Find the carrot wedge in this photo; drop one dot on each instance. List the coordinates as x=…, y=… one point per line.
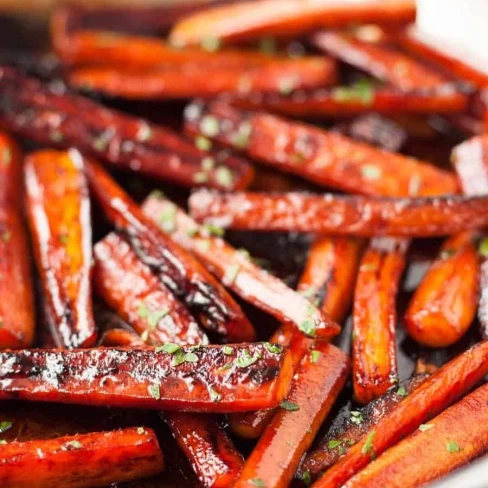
x=438, y=391
x=121, y=337
x=60, y=223
x=277, y=454
x=235, y=270
x=17, y=315
x=326, y=158
x=447, y=442
x=224, y=378
x=43, y=113
x=82, y=460
x=178, y=270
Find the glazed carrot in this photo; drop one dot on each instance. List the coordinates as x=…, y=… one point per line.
x=341, y=215
x=277, y=454
x=17, y=315
x=374, y=318
x=483, y=289
x=444, y=305
x=285, y=18
x=326, y=158
x=345, y=432
x=60, y=223
x=438, y=391
x=128, y=286
x=178, y=270
x=448, y=441
x=81, y=460
x=121, y=337
x=224, y=378
x=43, y=113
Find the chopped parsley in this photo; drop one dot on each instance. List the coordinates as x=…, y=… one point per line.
x=402, y=392
x=307, y=478
x=246, y=359
x=144, y=133
x=368, y=447
x=154, y=391
x=371, y=172
x=157, y=315
x=452, y=446
x=309, y=292
x=203, y=246
x=168, y=347
x=142, y=311
x=140, y=430
x=257, y=482
x=241, y=137
x=307, y=326
x=314, y=356
x=272, y=348
x=231, y=274
x=73, y=444
x=290, y=406
x=447, y=253
x=213, y=230
x=5, y=425
x=191, y=357
x=227, y=350
x=167, y=219
x=214, y=395
x=356, y=417
x=224, y=176
x=483, y=247
x=209, y=126
x=333, y=443
x=362, y=91
x=203, y=143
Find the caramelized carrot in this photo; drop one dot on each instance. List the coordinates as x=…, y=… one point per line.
x=444, y=305
x=17, y=316
x=59, y=215
x=224, y=378
x=121, y=337
x=438, y=391
x=81, y=460
x=341, y=215
x=285, y=18
x=47, y=114
x=447, y=442
x=326, y=158
x=374, y=319
x=179, y=271
x=483, y=288
x=277, y=454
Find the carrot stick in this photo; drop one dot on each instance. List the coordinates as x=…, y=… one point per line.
x=60, y=223
x=438, y=391
x=17, y=316
x=81, y=460
x=483, y=288
x=121, y=337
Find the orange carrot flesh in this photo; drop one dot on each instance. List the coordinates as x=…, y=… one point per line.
x=374, y=319
x=17, y=315
x=81, y=461
x=448, y=441
x=60, y=222
x=438, y=391
x=121, y=337
x=278, y=452
x=444, y=305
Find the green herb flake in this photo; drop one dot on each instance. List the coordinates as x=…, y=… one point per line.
x=287, y=85
x=307, y=326
x=231, y=274
x=178, y=358
x=203, y=246
x=227, y=350
x=209, y=126
x=309, y=292
x=3, y=441
x=314, y=356
x=140, y=430
x=5, y=425
x=157, y=315
x=290, y=406
x=483, y=247
x=154, y=391
x=101, y=143
x=368, y=447
x=333, y=443
x=424, y=427
x=356, y=417
x=167, y=219
x=213, y=230
x=145, y=335
x=6, y=235
x=208, y=163
x=191, y=357
x=200, y=177
x=244, y=253
x=203, y=143
x=192, y=232
x=214, y=395
x=157, y=194
x=143, y=311
x=6, y=156
x=362, y=91
x=144, y=133
x=168, y=347
x=371, y=172
x=307, y=478
x=224, y=177
x=210, y=44
x=227, y=365
x=402, y=392
x=447, y=253
x=73, y=444
x=257, y=482
x=242, y=136
x=272, y=348
x=245, y=360
x=452, y=447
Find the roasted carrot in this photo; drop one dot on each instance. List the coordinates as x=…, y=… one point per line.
x=178, y=270
x=483, y=288
x=49, y=115
x=82, y=460
x=326, y=158
x=127, y=285
x=60, y=223
x=277, y=454
x=448, y=441
x=224, y=378
x=438, y=391
x=121, y=337
x=341, y=215
x=285, y=18
x=236, y=270
x=17, y=316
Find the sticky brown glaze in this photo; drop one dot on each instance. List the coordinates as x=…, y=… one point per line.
x=178, y=270
x=236, y=270
x=341, y=215
x=17, y=317
x=58, y=206
x=208, y=378
x=50, y=115
x=127, y=285
x=437, y=392
x=326, y=158
x=278, y=452
x=285, y=18
x=82, y=460
x=444, y=305
x=347, y=432
x=452, y=439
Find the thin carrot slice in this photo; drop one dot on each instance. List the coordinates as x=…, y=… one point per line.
x=121, y=337
x=438, y=391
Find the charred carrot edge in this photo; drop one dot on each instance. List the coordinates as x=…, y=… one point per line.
x=326, y=158
x=447, y=442
x=374, y=318
x=284, y=18
x=347, y=432
x=444, y=305
x=341, y=215
x=127, y=285
x=42, y=113
x=277, y=454
x=121, y=337
x=178, y=270
x=17, y=315
x=60, y=223
x=82, y=460
x=242, y=377
x=438, y=391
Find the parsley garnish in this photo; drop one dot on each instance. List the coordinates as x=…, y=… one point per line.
x=157, y=315
x=168, y=347
x=314, y=356
x=227, y=350
x=333, y=443
x=209, y=126
x=5, y=425
x=144, y=133
x=272, y=348
x=154, y=391
x=402, y=392
x=483, y=247
x=356, y=417
x=307, y=326
x=245, y=360
x=214, y=395
x=447, y=253
x=167, y=219
x=75, y=444
x=231, y=274
x=361, y=91
x=241, y=137
x=257, y=482
x=191, y=357
x=452, y=446
x=140, y=430
x=203, y=143
x=307, y=478
x=213, y=230
x=368, y=447
x=224, y=177
x=290, y=406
